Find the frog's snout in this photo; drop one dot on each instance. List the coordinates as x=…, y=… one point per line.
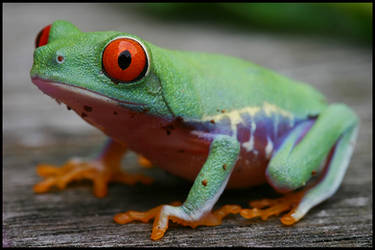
x=37, y=63
x=44, y=64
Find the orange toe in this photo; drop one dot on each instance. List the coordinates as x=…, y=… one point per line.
x=144, y=162
x=44, y=185
x=288, y=219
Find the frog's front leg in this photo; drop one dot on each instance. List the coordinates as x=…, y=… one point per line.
x=330, y=140
x=106, y=168
x=207, y=187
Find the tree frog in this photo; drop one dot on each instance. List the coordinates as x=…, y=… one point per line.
x=218, y=121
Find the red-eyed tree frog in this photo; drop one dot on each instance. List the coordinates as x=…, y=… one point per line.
x=219, y=121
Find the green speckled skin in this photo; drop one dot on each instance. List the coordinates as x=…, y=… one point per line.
x=198, y=87
x=207, y=81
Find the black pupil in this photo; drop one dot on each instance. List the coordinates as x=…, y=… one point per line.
x=124, y=59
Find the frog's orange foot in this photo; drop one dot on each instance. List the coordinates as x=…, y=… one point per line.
x=95, y=171
x=144, y=162
x=267, y=207
x=162, y=214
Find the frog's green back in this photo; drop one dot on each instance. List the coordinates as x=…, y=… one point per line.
x=198, y=85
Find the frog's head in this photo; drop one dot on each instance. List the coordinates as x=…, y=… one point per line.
x=90, y=70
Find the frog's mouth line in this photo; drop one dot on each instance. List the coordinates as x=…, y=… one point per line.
x=55, y=89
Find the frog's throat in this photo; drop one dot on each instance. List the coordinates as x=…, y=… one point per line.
x=62, y=92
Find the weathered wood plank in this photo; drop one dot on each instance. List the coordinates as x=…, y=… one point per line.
x=37, y=130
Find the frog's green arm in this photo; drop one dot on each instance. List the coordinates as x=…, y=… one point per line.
x=214, y=174
x=207, y=188
x=293, y=164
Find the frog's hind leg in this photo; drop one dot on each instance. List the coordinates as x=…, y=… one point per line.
x=299, y=156
x=329, y=181
x=106, y=168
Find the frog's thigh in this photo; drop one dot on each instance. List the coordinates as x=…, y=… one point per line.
x=330, y=180
x=292, y=165
x=335, y=131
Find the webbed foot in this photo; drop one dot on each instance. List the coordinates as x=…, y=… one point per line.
x=174, y=212
x=267, y=207
x=96, y=171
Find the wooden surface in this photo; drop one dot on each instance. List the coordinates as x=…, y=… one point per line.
x=36, y=130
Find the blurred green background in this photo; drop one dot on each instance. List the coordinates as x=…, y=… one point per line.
x=348, y=21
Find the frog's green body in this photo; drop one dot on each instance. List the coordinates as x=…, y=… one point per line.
x=209, y=82
x=221, y=117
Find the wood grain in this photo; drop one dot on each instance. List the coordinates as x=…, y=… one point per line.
x=38, y=130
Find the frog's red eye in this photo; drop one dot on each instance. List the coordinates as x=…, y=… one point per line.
x=124, y=60
x=42, y=37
